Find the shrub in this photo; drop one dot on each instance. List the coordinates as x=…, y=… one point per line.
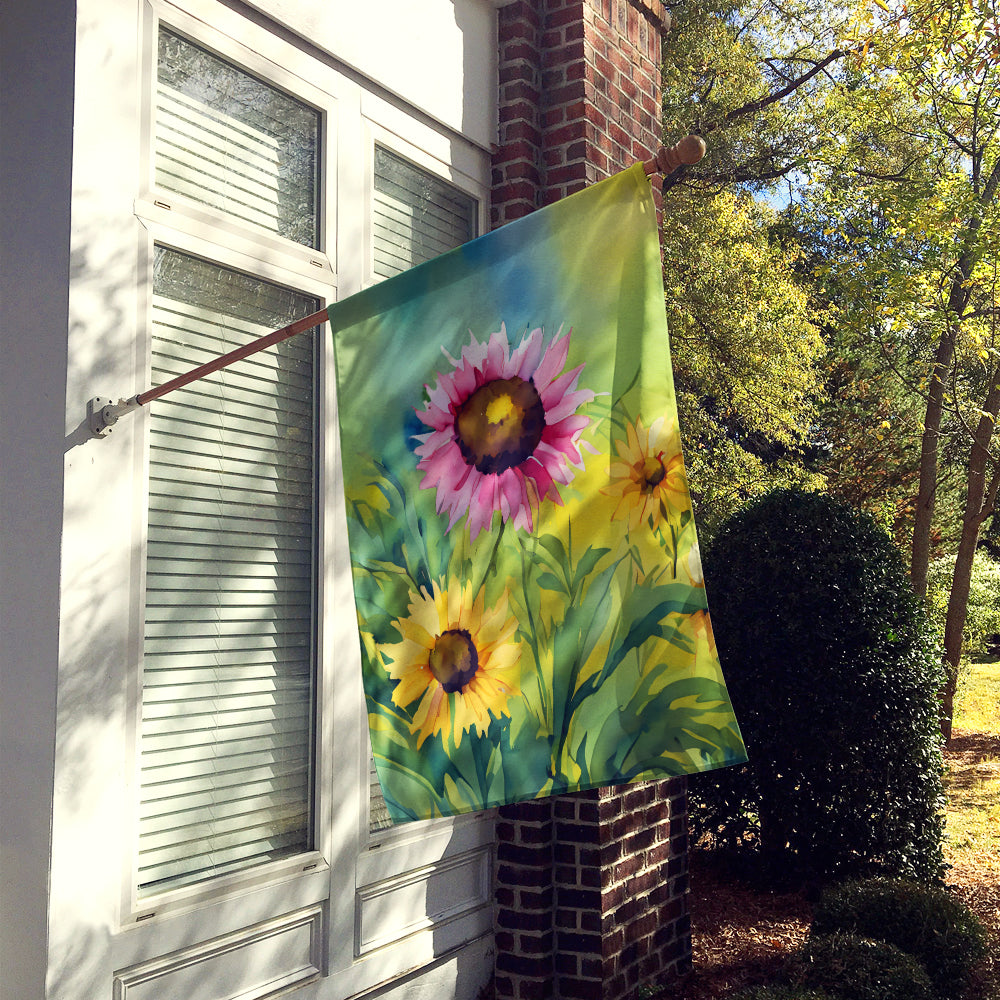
x=926, y=922
x=856, y=968
x=833, y=672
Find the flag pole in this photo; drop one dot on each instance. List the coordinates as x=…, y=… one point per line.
x=260, y=344
x=103, y=413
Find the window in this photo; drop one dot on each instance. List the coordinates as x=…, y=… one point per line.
x=229, y=646
x=274, y=184
x=228, y=679
x=225, y=139
x=416, y=216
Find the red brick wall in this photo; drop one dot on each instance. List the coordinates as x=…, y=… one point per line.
x=579, y=96
x=630, y=846
x=591, y=893
x=591, y=889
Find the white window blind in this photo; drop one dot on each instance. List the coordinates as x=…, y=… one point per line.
x=228, y=140
x=416, y=216
x=228, y=688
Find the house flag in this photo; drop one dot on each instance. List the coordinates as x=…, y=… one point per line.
x=528, y=586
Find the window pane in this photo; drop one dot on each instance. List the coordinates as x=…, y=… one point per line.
x=228, y=663
x=417, y=216
x=226, y=139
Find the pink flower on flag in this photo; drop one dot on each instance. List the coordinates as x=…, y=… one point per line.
x=504, y=430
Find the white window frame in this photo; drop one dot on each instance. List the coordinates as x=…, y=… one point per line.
x=387, y=857
x=196, y=244
x=180, y=224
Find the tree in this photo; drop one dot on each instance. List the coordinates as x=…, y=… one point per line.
x=913, y=187
x=881, y=119
x=747, y=357
x=866, y=438
x=747, y=353
x=749, y=74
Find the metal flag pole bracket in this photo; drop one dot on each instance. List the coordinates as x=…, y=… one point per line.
x=103, y=413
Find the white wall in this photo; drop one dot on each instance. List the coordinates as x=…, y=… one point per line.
x=36, y=109
x=414, y=48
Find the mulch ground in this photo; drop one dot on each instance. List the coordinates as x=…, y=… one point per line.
x=742, y=934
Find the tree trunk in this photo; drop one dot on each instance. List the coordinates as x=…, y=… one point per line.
x=920, y=553
x=958, y=299
x=979, y=500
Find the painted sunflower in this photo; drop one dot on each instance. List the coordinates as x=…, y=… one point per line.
x=504, y=430
x=649, y=476
x=459, y=658
x=699, y=626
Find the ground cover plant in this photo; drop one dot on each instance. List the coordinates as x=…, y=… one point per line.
x=926, y=922
x=852, y=967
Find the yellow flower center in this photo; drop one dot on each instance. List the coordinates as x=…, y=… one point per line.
x=500, y=409
x=454, y=660
x=652, y=473
x=500, y=424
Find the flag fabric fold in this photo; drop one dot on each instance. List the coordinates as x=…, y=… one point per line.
x=531, y=608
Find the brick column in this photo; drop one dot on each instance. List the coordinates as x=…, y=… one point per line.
x=517, y=160
x=524, y=898
x=591, y=888
x=579, y=96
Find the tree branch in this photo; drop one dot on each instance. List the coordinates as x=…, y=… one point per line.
x=753, y=107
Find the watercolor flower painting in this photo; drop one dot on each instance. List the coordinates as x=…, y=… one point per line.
x=523, y=555
x=504, y=430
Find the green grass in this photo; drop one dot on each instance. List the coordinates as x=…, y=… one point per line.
x=973, y=784
x=977, y=703
x=973, y=810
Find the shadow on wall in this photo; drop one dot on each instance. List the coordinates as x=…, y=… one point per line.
x=90, y=821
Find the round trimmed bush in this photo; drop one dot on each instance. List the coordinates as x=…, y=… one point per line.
x=925, y=922
x=857, y=968
x=833, y=672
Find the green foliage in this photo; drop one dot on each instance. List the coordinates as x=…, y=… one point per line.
x=983, y=613
x=745, y=343
x=833, y=673
x=907, y=184
x=924, y=921
x=857, y=968
x=878, y=125
x=866, y=435
x=739, y=72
